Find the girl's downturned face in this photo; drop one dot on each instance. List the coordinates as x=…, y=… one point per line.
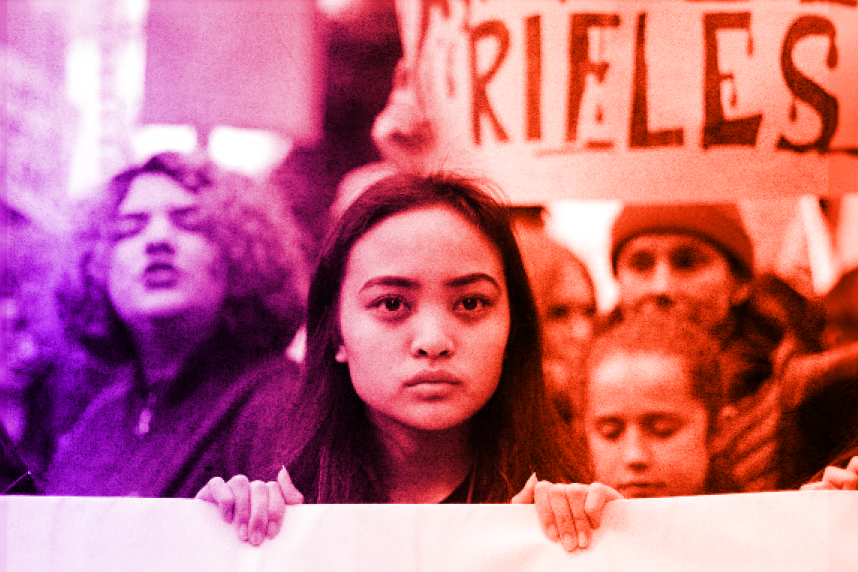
x=646, y=432
x=424, y=318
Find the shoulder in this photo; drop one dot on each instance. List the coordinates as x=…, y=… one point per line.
x=262, y=424
x=275, y=375
x=267, y=387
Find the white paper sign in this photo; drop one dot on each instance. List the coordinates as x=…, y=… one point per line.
x=770, y=532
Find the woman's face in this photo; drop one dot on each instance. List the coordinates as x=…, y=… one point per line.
x=162, y=265
x=646, y=432
x=424, y=318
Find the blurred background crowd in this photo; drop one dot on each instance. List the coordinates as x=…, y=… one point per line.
x=697, y=348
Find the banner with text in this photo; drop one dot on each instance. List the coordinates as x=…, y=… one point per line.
x=769, y=532
x=639, y=100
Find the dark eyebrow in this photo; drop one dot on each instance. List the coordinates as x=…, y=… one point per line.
x=400, y=282
x=469, y=279
x=395, y=281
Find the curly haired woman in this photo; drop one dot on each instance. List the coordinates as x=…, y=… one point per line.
x=186, y=295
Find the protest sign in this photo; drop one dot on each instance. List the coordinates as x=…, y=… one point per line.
x=638, y=100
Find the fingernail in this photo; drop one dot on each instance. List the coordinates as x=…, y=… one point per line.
x=552, y=533
x=569, y=543
x=583, y=541
x=273, y=529
x=256, y=539
x=242, y=531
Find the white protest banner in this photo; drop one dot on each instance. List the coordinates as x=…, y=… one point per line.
x=770, y=532
x=641, y=100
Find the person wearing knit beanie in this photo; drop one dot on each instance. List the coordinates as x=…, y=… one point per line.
x=695, y=257
x=696, y=262
x=719, y=223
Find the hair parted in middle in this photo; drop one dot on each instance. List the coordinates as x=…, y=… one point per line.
x=667, y=333
x=333, y=452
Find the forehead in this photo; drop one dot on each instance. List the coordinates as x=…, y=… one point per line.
x=153, y=192
x=424, y=242
x=638, y=381
x=573, y=282
x=665, y=243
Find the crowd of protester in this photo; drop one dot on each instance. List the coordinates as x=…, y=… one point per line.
x=453, y=350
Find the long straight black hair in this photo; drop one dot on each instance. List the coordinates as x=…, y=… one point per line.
x=333, y=452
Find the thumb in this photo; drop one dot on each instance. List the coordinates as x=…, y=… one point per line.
x=205, y=494
x=290, y=494
x=526, y=494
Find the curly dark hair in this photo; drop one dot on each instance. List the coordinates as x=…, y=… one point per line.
x=266, y=276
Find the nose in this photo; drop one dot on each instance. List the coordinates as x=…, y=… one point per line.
x=581, y=328
x=661, y=281
x=159, y=235
x=432, y=338
x=635, y=450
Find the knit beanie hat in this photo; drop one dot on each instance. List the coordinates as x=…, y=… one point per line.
x=720, y=224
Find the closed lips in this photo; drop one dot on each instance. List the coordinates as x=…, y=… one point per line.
x=433, y=378
x=159, y=266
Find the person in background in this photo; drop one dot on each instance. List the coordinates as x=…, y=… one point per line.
x=652, y=403
x=188, y=296
x=698, y=261
x=834, y=374
x=423, y=373
x=566, y=300
x=32, y=341
x=821, y=382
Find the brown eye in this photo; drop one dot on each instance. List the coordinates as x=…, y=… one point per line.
x=687, y=259
x=471, y=307
x=641, y=261
x=390, y=307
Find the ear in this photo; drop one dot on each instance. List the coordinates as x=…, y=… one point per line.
x=741, y=293
x=341, y=356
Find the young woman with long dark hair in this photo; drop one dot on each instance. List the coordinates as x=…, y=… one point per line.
x=423, y=377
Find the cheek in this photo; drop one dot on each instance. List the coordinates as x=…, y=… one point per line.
x=205, y=265
x=122, y=263
x=207, y=258
x=367, y=348
x=492, y=350
x=605, y=456
x=688, y=452
x=633, y=286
